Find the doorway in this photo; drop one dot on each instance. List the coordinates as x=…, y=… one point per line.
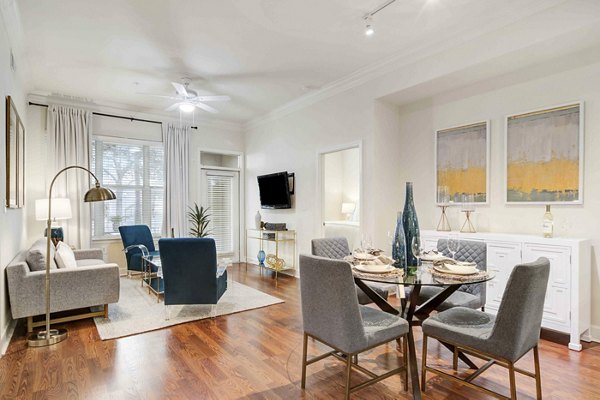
x=341, y=177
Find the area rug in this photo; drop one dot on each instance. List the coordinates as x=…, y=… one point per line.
x=137, y=311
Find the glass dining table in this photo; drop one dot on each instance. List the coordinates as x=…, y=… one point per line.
x=416, y=313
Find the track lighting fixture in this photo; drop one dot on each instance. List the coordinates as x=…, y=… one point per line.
x=368, y=18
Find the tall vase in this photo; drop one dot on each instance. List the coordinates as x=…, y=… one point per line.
x=257, y=220
x=411, y=225
x=399, y=244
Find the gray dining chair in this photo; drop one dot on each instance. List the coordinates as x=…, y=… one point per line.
x=471, y=296
x=331, y=315
x=337, y=248
x=502, y=339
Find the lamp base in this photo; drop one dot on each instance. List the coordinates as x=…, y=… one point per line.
x=40, y=339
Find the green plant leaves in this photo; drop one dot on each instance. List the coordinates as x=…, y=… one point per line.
x=199, y=219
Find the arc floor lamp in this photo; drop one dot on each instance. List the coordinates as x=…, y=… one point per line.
x=97, y=193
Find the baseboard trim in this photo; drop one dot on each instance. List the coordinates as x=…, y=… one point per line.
x=593, y=334
x=7, y=336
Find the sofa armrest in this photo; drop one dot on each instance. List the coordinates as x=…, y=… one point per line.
x=87, y=254
x=70, y=288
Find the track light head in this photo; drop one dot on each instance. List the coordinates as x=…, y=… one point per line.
x=368, y=25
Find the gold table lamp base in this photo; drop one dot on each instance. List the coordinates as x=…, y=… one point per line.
x=40, y=339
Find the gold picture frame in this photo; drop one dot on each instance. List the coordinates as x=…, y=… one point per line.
x=15, y=157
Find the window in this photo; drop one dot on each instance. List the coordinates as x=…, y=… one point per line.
x=134, y=171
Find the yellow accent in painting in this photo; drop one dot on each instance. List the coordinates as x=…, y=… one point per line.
x=552, y=176
x=468, y=181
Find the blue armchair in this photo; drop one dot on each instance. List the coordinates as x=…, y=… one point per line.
x=190, y=273
x=134, y=237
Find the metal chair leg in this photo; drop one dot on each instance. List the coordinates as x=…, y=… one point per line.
x=424, y=364
x=348, y=372
x=538, y=375
x=304, y=348
x=513, y=383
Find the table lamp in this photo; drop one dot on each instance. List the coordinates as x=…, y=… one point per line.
x=61, y=209
x=97, y=193
x=348, y=209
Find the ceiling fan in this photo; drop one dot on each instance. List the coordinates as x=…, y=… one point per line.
x=187, y=99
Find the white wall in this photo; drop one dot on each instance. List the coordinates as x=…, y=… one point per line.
x=205, y=137
x=12, y=221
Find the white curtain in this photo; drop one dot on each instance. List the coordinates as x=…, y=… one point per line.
x=69, y=131
x=176, y=142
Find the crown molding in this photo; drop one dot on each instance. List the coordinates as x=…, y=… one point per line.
x=399, y=60
x=128, y=111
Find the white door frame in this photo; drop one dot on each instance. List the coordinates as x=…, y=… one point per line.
x=320, y=181
x=242, y=184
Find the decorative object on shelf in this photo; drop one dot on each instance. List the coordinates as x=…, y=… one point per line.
x=116, y=220
x=548, y=223
x=399, y=244
x=443, y=199
x=468, y=207
x=544, y=156
x=199, y=221
x=275, y=262
x=462, y=161
x=97, y=193
x=61, y=211
x=258, y=220
x=15, y=157
x=348, y=210
x=261, y=257
x=410, y=224
x=271, y=226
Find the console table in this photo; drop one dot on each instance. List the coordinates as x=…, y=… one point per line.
x=568, y=299
x=277, y=238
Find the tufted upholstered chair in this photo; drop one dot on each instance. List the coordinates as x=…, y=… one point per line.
x=331, y=314
x=501, y=339
x=337, y=248
x=472, y=296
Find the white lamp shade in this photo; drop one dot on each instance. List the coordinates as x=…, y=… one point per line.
x=61, y=209
x=348, y=208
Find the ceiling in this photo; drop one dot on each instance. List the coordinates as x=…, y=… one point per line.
x=262, y=53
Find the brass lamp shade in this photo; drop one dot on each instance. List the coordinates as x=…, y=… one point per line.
x=99, y=193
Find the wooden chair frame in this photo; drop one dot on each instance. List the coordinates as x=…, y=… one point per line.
x=351, y=361
x=491, y=360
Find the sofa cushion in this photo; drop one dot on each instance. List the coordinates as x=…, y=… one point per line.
x=65, y=258
x=90, y=261
x=36, y=256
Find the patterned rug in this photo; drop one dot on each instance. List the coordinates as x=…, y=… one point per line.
x=137, y=311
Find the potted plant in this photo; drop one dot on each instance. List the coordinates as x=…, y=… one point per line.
x=116, y=221
x=199, y=220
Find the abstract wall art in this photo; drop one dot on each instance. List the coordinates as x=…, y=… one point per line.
x=462, y=159
x=544, y=156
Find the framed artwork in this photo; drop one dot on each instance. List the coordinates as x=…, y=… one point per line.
x=462, y=164
x=15, y=157
x=544, y=156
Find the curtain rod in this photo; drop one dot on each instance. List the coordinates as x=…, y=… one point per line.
x=112, y=116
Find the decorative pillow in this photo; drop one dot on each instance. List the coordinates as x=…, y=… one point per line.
x=65, y=258
x=36, y=256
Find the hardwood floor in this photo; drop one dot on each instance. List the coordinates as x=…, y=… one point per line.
x=254, y=354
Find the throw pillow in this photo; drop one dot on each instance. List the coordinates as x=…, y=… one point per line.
x=65, y=258
x=36, y=256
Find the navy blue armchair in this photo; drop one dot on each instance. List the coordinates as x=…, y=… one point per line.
x=189, y=267
x=133, y=237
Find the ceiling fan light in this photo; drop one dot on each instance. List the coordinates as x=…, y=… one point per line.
x=186, y=107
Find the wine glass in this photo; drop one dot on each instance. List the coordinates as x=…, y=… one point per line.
x=453, y=245
x=416, y=250
x=365, y=243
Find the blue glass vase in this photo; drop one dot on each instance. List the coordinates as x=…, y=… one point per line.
x=399, y=244
x=261, y=258
x=411, y=225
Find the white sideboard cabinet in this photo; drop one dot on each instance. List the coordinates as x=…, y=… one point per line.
x=567, y=307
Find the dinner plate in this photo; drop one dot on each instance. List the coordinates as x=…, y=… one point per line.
x=375, y=268
x=456, y=270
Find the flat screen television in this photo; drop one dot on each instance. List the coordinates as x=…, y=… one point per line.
x=274, y=190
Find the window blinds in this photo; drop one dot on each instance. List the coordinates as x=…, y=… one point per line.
x=135, y=172
x=220, y=203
